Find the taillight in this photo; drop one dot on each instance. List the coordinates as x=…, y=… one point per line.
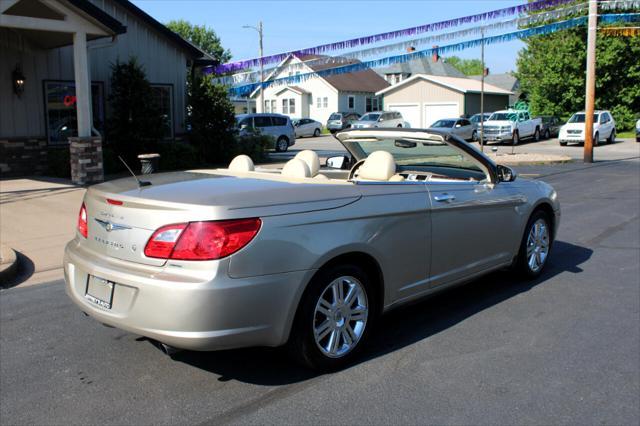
x=202, y=240
x=82, y=221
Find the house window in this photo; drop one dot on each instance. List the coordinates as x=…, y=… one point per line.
x=292, y=106
x=319, y=102
x=273, y=106
x=352, y=102
x=285, y=106
x=60, y=110
x=266, y=106
x=372, y=104
x=163, y=96
x=325, y=102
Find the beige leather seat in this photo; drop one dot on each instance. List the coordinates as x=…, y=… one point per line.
x=242, y=163
x=296, y=168
x=379, y=166
x=312, y=160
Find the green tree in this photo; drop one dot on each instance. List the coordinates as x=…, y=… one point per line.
x=135, y=123
x=212, y=120
x=202, y=36
x=552, y=68
x=466, y=66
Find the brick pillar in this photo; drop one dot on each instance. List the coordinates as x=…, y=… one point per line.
x=86, y=160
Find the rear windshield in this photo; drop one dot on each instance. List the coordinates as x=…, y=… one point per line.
x=370, y=117
x=444, y=123
x=579, y=118
x=335, y=116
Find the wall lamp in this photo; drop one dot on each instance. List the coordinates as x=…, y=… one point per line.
x=18, y=79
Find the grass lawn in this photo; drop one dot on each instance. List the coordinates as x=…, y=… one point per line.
x=626, y=135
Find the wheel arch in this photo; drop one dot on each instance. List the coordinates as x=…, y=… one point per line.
x=546, y=207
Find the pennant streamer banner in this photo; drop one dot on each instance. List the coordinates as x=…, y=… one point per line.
x=619, y=5
x=361, y=66
x=407, y=32
x=620, y=32
x=254, y=76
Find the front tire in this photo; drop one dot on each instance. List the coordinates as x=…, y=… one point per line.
x=536, y=135
x=399, y=125
x=516, y=138
x=474, y=136
x=547, y=134
x=535, y=246
x=335, y=317
x=282, y=145
x=316, y=133
x=612, y=137
x=596, y=139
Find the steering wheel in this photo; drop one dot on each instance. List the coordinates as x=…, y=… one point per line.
x=354, y=169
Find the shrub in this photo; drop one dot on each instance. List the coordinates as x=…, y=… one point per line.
x=135, y=122
x=178, y=156
x=212, y=121
x=254, y=145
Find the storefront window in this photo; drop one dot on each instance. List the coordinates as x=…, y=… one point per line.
x=60, y=98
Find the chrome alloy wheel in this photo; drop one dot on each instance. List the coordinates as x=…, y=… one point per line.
x=537, y=245
x=340, y=316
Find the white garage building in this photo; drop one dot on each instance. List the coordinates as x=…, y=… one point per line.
x=423, y=99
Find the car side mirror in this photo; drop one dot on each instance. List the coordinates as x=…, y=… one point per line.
x=244, y=126
x=506, y=174
x=458, y=125
x=340, y=162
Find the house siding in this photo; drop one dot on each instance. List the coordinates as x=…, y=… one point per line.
x=164, y=63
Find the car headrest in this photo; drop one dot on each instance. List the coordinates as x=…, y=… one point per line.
x=296, y=169
x=242, y=163
x=379, y=165
x=312, y=160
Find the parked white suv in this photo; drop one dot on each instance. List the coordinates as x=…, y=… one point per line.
x=380, y=119
x=511, y=126
x=604, y=127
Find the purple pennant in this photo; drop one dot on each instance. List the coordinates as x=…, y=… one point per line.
x=341, y=45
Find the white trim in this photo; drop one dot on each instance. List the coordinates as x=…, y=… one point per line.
x=402, y=104
x=435, y=80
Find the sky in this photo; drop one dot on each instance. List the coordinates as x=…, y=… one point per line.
x=297, y=24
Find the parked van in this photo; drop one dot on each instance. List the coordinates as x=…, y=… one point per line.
x=276, y=125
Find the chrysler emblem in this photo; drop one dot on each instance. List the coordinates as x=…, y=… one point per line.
x=110, y=226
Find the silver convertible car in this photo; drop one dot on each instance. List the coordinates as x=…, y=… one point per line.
x=304, y=256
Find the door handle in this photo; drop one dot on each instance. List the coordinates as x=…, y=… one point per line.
x=444, y=198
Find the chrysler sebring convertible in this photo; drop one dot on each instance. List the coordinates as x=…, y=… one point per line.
x=306, y=256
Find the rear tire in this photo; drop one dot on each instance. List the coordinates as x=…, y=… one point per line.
x=547, y=134
x=282, y=145
x=474, y=136
x=332, y=325
x=399, y=125
x=535, y=246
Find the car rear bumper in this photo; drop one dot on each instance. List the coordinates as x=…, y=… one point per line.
x=201, y=310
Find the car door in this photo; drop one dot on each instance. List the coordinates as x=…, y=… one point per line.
x=475, y=227
x=466, y=129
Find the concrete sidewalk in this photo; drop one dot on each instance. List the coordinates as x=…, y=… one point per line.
x=37, y=218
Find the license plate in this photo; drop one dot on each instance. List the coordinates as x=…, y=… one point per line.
x=100, y=292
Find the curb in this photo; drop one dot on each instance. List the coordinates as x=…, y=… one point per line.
x=8, y=265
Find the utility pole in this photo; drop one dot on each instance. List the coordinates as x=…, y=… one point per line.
x=482, y=93
x=260, y=105
x=591, y=81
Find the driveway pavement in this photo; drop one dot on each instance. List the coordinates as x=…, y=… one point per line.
x=559, y=350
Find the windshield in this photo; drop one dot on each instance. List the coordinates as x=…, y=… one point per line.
x=415, y=152
x=444, y=123
x=370, y=117
x=579, y=118
x=335, y=116
x=504, y=116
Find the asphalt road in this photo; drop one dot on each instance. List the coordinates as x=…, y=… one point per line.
x=559, y=350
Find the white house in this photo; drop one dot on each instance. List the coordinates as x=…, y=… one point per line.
x=318, y=97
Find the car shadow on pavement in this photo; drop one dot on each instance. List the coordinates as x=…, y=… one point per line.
x=272, y=367
x=26, y=268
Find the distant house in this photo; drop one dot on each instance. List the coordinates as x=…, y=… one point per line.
x=422, y=99
x=57, y=54
x=243, y=105
x=434, y=65
x=506, y=81
x=318, y=97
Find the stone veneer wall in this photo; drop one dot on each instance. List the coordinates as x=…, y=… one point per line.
x=23, y=157
x=86, y=160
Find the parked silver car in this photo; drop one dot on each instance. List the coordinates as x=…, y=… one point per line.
x=276, y=125
x=380, y=119
x=341, y=120
x=306, y=127
x=476, y=120
x=304, y=256
x=460, y=127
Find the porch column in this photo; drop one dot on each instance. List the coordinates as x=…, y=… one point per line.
x=83, y=87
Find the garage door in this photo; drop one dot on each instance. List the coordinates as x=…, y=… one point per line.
x=434, y=112
x=410, y=113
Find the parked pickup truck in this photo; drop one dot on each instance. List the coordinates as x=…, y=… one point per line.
x=511, y=126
